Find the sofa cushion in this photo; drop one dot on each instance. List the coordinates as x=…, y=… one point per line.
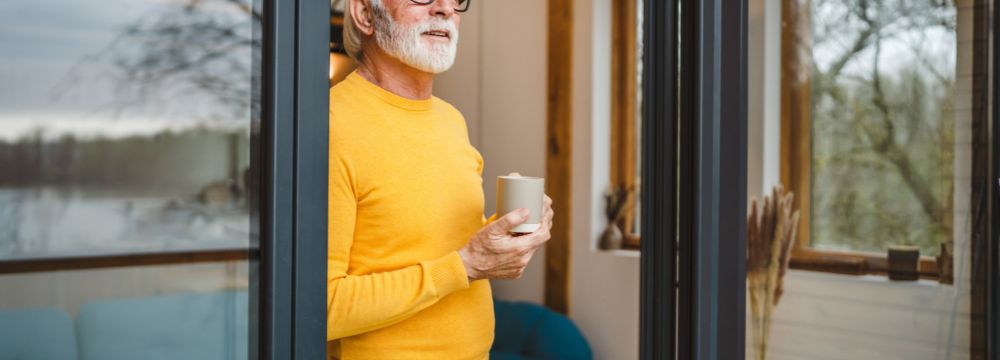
x=187, y=326
x=36, y=334
x=532, y=331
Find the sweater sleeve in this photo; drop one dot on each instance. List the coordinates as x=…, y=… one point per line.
x=361, y=303
x=490, y=220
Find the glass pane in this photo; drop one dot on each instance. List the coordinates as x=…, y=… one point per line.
x=883, y=123
x=124, y=170
x=865, y=112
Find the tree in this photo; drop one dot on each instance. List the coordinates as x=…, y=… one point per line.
x=883, y=123
x=191, y=58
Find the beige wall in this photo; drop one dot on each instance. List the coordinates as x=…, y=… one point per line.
x=604, y=285
x=499, y=85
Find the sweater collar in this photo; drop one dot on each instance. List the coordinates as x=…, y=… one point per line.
x=388, y=96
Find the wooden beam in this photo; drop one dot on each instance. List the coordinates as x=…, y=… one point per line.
x=558, y=174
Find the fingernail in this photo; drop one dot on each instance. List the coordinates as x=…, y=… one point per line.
x=523, y=212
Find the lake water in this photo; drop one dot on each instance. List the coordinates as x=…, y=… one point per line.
x=48, y=223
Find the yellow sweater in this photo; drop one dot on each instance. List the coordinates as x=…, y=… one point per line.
x=405, y=193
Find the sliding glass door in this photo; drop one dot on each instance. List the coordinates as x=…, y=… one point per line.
x=148, y=162
x=125, y=178
x=874, y=120
x=694, y=175
x=826, y=180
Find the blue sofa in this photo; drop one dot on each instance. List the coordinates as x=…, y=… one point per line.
x=185, y=326
x=526, y=331
x=37, y=334
x=214, y=326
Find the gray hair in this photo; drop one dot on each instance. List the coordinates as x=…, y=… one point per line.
x=352, y=36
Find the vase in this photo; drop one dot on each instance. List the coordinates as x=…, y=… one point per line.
x=611, y=238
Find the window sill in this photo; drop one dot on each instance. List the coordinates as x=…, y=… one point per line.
x=857, y=264
x=880, y=280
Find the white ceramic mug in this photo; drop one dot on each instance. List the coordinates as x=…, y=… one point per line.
x=527, y=192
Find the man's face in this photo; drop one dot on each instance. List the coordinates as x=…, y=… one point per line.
x=424, y=37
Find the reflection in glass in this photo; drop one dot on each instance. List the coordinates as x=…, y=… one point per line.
x=124, y=132
x=866, y=111
x=137, y=119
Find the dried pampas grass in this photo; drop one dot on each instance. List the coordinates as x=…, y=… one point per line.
x=771, y=231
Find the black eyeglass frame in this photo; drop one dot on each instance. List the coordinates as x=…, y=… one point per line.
x=463, y=5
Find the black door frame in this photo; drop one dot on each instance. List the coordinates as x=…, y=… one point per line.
x=694, y=151
x=288, y=272
x=712, y=143
x=657, y=297
x=993, y=192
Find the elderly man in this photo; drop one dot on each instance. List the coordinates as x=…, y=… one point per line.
x=410, y=250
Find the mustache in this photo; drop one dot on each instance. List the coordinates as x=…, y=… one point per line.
x=436, y=24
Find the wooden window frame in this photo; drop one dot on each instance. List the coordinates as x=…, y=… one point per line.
x=795, y=142
x=122, y=260
x=796, y=152
x=624, y=110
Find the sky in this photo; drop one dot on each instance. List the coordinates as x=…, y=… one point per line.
x=55, y=73
x=937, y=44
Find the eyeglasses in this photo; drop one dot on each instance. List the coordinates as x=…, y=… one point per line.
x=463, y=5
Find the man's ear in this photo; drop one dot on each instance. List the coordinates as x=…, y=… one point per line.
x=362, y=16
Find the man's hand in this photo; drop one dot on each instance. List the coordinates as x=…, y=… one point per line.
x=493, y=253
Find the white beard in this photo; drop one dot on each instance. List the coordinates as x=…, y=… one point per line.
x=406, y=43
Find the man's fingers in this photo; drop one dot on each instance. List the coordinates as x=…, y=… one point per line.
x=534, y=239
x=547, y=216
x=540, y=237
x=503, y=225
